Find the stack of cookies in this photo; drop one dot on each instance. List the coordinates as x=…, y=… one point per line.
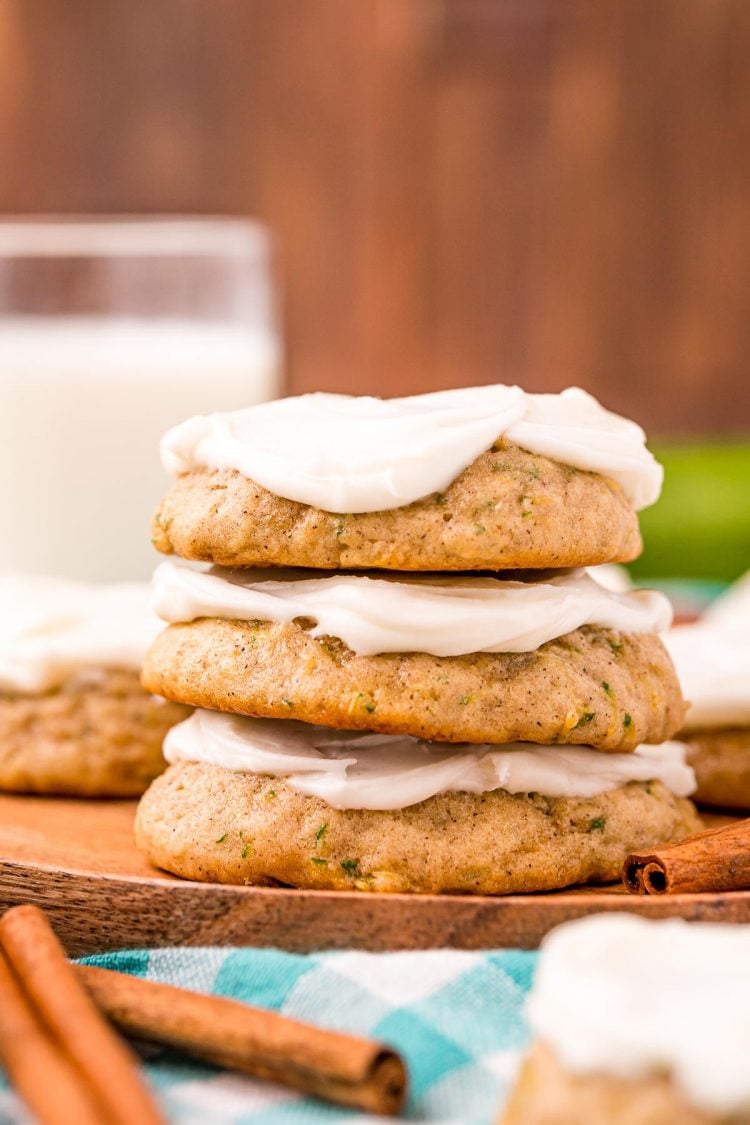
x=433, y=694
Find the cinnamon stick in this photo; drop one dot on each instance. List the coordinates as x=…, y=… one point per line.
x=50, y=1086
x=716, y=860
x=340, y=1068
x=105, y=1064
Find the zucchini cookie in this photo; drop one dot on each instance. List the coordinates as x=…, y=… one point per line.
x=721, y=760
x=265, y=803
x=555, y=659
x=546, y=1093
x=630, y=1025
x=97, y=734
x=510, y=509
x=74, y=718
x=474, y=479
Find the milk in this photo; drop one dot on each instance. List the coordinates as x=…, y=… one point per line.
x=83, y=404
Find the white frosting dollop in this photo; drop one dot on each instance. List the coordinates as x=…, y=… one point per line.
x=619, y=995
x=713, y=667
x=343, y=453
x=53, y=628
x=437, y=614
x=712, y=658
x=354, y=770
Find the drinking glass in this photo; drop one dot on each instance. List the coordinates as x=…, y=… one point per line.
x=111, y=331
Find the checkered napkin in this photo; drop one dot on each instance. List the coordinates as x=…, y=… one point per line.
x=455, y=1016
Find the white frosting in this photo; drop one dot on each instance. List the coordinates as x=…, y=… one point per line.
x=612, y=577
x=622, y=996
x=713, y=666
x=352, y=770
x=52, y=629
x=437, y=614
x=346, y=454
x=732, y=607
x=712, y=658
x=573, y=428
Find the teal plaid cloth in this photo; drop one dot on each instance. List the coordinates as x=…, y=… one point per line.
x=456, y=1017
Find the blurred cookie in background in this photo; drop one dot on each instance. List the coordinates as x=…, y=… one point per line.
x=74, y=718
x=712, y=658
x=637, y=1023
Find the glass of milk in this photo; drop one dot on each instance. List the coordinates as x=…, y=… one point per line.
x=111, y=331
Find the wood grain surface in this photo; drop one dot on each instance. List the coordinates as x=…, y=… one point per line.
x=76, y=859
x=462, y=190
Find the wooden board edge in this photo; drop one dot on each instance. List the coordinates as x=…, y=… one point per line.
x=98, y=913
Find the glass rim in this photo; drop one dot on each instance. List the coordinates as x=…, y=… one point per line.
x=133, y=236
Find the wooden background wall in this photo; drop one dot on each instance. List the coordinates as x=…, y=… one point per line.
x=548, y=191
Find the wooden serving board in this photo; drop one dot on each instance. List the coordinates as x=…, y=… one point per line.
x=77, y=860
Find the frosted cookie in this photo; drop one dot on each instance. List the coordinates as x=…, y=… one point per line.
x=471, y=479
x=262, y=802
x=637, y=1023
x=556, y=659
x=74, y=718
x=712, y=658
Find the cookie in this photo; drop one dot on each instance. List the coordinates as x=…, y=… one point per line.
x=595, y=686
x=510, y=509
x=545, y=1093
x=628, y=1018
x=96, y=735
x=209, y=823
x=721, y=760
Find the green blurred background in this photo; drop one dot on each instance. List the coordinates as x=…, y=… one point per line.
x=700, y=528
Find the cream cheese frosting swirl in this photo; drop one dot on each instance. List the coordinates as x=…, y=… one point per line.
x=354, y=770
x=343, y=453
x=437, y=614
x=53, y=628
x=622, y=996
